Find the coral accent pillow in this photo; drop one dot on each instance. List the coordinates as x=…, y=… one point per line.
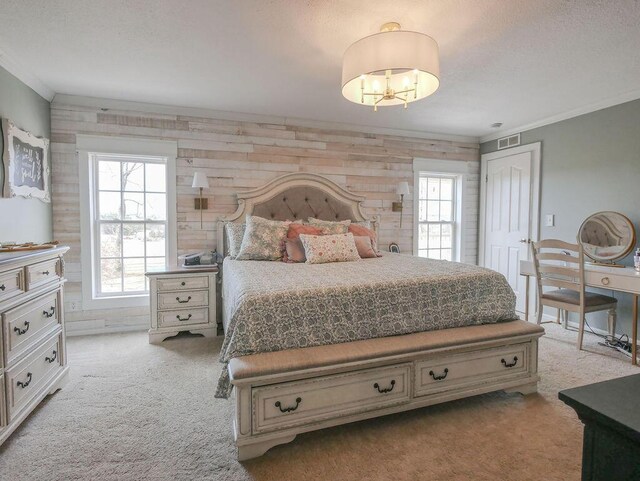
x=320, y=249
x=365, y=249
x=262, y=239
x=296, y=229
x=358, y=230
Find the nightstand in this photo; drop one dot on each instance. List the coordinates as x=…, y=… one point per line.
x=182, y=300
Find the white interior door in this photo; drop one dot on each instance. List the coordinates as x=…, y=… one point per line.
x=510, y=213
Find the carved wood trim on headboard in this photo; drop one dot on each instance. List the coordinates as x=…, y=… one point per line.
x=346, y=205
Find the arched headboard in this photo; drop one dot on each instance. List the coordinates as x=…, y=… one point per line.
x=297, y=196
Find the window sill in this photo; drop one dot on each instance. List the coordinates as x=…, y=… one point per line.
x=116, y=302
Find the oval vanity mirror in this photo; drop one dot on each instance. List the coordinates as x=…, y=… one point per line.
x=607, y=237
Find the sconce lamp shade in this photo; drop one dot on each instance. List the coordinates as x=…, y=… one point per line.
x=403, y=188
x=200, y=180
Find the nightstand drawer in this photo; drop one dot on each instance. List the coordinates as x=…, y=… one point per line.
x=25, y=325
x=183, y=283
x=183, y=317
x=181, y=300
x=42, y=273
x=11, y=284
x=26, y=379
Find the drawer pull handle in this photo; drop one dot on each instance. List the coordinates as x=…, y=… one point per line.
x=385, y=390
x=53, y=357
x=441, y=377
x=26, y=383
x=183, y=283
x=2, y=287
x=22, y=331
x=605, y=281
x=183, y=318
x=50, y=313
x=183, y=302
x=505, y=364
x=45, y=273
x=290, y=408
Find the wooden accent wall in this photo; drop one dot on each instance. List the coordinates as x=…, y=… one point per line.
x=235, y=156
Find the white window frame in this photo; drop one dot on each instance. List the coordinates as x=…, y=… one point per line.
x=450, y=168
x=86, y=145
x=454, y=222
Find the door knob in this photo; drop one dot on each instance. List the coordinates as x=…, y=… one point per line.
x=525, y=241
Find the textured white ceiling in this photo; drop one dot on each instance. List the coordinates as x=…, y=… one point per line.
x=510, y=61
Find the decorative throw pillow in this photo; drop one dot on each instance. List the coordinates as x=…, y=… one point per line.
x=358, y=230
x=331, y=227
x=262, y=239
x=329, y=248
x=292, y=249
x=365, y=249
x=364, y=223
x=235, y=233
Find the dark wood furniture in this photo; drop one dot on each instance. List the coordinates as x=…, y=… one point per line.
x=610, y=411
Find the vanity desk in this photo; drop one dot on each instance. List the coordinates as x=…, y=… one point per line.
x=620, y=279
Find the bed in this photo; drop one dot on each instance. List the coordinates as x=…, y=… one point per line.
x=381, y=329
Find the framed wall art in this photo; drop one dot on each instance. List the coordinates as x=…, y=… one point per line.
x=26, y=164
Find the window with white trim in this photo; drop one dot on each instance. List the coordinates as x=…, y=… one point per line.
x=129, y=221
x=437, y=207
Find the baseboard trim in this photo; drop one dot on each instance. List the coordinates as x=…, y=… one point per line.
x=92, y=327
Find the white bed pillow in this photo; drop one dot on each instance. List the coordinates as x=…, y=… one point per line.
x=262, y=240
x=320, y=249
x=235, y=233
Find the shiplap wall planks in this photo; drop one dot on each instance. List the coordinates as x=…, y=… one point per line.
x=235, y=155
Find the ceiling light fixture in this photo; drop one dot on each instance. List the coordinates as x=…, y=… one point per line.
x=392, y=67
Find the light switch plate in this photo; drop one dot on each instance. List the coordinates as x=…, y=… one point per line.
x=550, y=220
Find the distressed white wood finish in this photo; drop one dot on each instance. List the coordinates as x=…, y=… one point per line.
x=32, y=329
x=236, y=155
x=182, y=300
x=474, y=367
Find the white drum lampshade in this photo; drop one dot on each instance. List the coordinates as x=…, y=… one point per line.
x=392, y=67
x=200, y=181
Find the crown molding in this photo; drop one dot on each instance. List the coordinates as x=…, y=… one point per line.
x=113, y=104
x=22, y=73
x=602, y=104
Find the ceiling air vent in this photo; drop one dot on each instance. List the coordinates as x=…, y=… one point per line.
x=511, y=141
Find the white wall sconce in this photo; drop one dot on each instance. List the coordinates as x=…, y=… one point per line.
x=402, y=190
x=200, y=181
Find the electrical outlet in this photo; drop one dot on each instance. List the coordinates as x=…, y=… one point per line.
x=550, y=220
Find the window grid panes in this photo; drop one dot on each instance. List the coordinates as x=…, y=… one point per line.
x=130, y=221
x=436, y=216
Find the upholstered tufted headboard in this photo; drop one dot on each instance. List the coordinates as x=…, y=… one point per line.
x=297, y=196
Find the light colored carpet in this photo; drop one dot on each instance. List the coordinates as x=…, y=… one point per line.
x=133, y=411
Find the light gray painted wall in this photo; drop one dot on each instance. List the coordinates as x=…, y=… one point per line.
x=590, y=163
x=24, y=220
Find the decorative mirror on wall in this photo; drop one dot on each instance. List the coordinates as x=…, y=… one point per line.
x=606, y=237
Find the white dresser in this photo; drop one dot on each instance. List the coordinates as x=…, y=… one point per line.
x=33, y=361
x=182, y=300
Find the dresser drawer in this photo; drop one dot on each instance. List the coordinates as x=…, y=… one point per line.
x=441, y=374
x=605, y=281
x=183, y=283
x=3, y=404
x=182, y=300
x=27, y=378
x=43, y=273
x=284, y=405
x=11, y=284
x=183, y=317
x=25, y=325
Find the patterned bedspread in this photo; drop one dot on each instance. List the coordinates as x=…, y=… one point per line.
x=273, y=306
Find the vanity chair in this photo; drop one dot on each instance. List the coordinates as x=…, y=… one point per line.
x=560, y=265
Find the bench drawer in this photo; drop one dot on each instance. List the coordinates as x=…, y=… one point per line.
x=183, y=283
x=11, y=284
x=28, y=323
x=183, y=317
x=284, y=405
x=181, y=300
x=43, y=273
x=445, y=373
x=27, y=378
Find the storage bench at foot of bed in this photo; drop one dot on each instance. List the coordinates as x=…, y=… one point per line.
x=281, y=394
